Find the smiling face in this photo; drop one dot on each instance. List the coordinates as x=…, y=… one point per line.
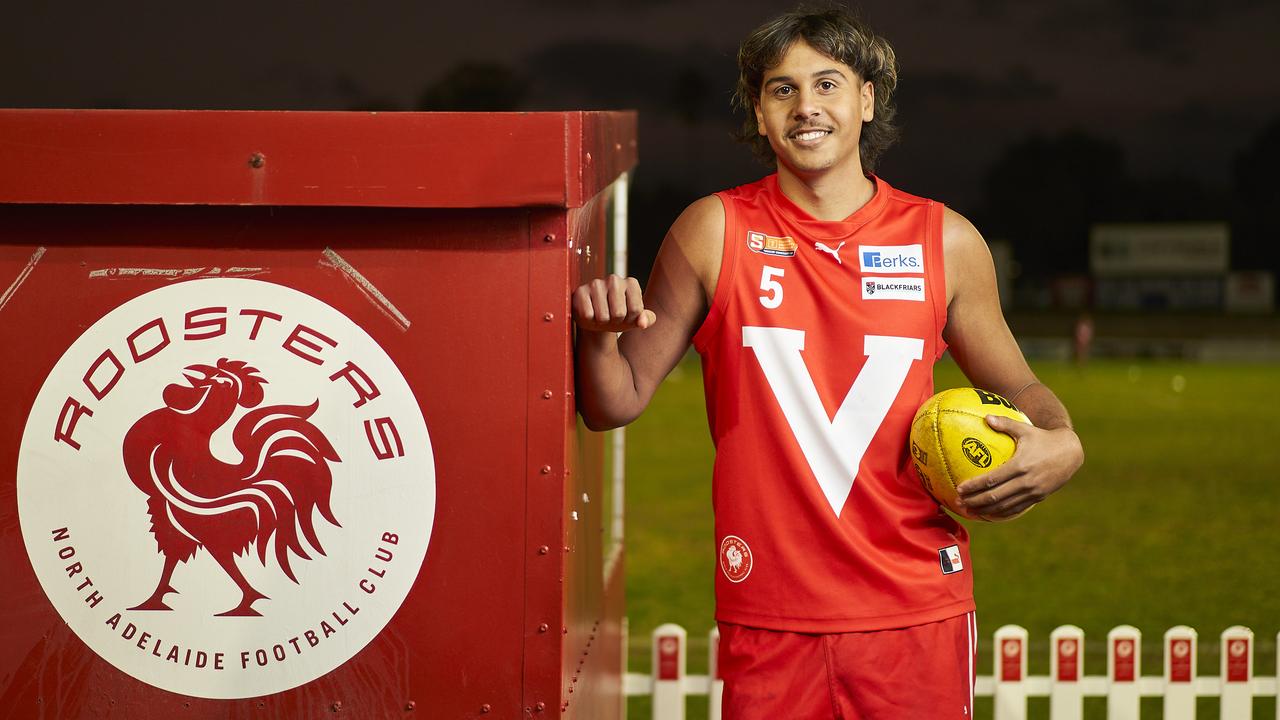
x=812, y=108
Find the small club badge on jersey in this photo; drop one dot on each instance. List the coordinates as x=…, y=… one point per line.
x=949, y=557
x=735, y=558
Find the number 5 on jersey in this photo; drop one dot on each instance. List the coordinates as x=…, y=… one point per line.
x=832, y=446
x=771, y=286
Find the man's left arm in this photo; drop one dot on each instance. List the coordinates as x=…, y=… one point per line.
x=1047, y=454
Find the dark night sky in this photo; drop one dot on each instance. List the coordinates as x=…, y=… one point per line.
x=1181, y=86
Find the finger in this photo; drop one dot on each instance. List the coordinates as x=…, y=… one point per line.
x=982, y=483
x=646, y=319
x=1010, y=509
x=634, y=300
x=1008, y=425
x=582, y=311
x=599, y=303
x=617, y=295
x=993, y=497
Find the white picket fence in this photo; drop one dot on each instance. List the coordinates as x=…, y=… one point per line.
x=1066, y=686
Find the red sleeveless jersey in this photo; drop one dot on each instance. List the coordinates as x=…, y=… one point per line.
x=817, y=350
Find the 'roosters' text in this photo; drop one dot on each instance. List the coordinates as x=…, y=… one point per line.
x=257, y=325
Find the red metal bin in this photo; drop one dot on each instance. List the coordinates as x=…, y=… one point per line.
x=291, y=427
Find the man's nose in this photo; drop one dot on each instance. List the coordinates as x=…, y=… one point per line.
x=807, y=105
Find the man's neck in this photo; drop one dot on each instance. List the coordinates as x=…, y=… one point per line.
x=831, y=195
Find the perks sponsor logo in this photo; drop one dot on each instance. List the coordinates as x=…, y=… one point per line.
x=891, y=259
x=735, y=558
x=907, y=288
x=770, y=245
x=226, y=488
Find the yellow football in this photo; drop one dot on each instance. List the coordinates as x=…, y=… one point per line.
x=951, y=441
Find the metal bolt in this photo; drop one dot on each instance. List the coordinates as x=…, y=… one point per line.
x=545, y=470
x=548, y=317
x=257, y=160
x=546, y=394
x=539, y=707
x=544, y=550
x=542, y=628
x=409, y=706
x=548, y=238
x=337, y=706
x=485, y=708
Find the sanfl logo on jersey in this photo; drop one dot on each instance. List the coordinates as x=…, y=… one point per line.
x=769, y=245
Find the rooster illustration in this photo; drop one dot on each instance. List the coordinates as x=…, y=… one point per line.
x=196, y=500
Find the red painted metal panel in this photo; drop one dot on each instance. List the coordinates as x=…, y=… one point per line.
x=451, y=645
x=311, y=158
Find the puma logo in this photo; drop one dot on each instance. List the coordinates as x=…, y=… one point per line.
x=833, y=253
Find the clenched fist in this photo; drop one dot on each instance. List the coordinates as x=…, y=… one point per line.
x=611, y=304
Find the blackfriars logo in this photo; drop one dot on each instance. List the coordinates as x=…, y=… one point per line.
x=735, y=558
x=893, y=289
x=226, y=500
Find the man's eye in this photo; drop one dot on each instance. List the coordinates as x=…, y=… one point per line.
x=827, y=85
x=782, y=91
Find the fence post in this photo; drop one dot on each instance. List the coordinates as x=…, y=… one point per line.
x=1124, y=667
x=1237, y=673
x=1011, y=671
x=1066, y=667
x=715, y=685
x=669, y=641
x=1180, y=673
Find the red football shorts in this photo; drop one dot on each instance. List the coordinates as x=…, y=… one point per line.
x=925, y=672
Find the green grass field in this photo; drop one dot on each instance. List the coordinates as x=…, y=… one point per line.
x=1174, y=519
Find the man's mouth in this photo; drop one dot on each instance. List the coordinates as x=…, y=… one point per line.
x=809, y=135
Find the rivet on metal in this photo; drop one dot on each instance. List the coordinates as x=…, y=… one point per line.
x=544, y=550
x=485, y=708
x=545, y=470
x=548, y=317
x=539, y=707
x=257, y=160
x=410, y=706
x=542, y=628
x=337, y=706
x=546, y=394
x=548, y=238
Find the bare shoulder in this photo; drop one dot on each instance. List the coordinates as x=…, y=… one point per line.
x=964, y=250
x=698, y=236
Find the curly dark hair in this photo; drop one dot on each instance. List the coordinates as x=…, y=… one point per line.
x=838, y=33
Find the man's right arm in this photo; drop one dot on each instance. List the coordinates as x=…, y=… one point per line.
x=618, y=374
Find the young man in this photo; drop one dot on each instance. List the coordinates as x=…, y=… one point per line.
x=819, y=299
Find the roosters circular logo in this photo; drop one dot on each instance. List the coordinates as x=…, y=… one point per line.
x=226, y=488
x=735, y=558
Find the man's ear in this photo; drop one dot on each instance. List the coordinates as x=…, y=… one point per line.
x=759, y=118
x=868, y=101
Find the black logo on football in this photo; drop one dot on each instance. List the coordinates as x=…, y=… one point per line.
x=976, y=452
x=919, y=453
x=990, y=398
x=924, y=479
